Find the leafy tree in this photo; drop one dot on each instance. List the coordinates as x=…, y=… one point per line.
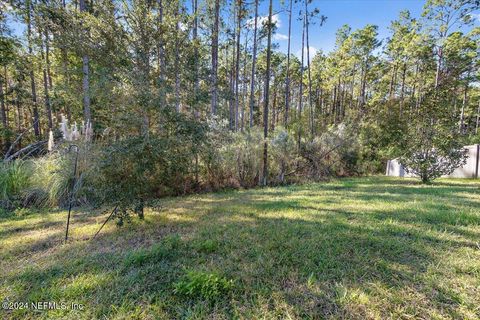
x=433, y=145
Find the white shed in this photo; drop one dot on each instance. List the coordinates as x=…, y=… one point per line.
x=469, y=170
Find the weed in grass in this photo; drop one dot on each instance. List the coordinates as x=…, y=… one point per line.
x=207, y=246
x=163, y=250
x=208, y=286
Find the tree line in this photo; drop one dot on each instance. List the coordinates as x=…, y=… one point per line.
x=119, y=64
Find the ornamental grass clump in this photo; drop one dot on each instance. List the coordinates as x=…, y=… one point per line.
x=50, y=181
x=14, y=180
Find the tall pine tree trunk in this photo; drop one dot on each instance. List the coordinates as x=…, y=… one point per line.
x=196, y=84
x=266, y=99
x=237, y=61
x=402, y=91
x=245, y=85
x=177, y=58
x=161, y=49
x=287, y=77
x=86, y=74
x=48, y=109
x=308, y=71
x=477, y=124
x=231, y=100
x=3, y=113
x=36, y=118
x=254, y=60
x=462, y=112
x=214, y=101
x=300, y=102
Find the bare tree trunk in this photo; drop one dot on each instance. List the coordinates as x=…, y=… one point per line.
x=402, y=92
x=300, y=102
x=363, y=83
x=342, y=101
x=4, y=115
x=245, y=85
x=231, y=102
x=64, y=59
x=287, y=78
x=439, y=66
x=478, y=119
x=274, y=105
x=308, y=72
x=266, y=99
x=464, y=103
x=352, y=87
x=47, y=58
x=86, y=75
x=392, y=81
x=196, y=112
x=254, y=60
x=414, y=87
x=214, y=101
x=36, y=120
x=334, y=105
x=19, y=112
x=300, y=94
x=237, y=62
x=48, y=109
x=177, y=58
x=161, y=49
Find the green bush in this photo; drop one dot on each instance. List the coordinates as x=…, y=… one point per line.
x=135, y=169
x=245, y=152
x=208, y=286
x=283, y=158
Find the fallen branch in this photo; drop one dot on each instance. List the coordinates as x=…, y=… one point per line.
x=7, y=155
x=28, y=150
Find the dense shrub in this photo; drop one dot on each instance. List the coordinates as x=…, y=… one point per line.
x=330, y=154
x=134, y=169
x=216, y=168
x=125, y=171
x=283, y=159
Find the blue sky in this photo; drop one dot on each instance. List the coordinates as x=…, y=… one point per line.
x=355, y=13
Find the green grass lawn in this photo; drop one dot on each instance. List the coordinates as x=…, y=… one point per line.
x=366, y=248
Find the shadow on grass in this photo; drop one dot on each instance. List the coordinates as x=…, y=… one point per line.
x=289, y=257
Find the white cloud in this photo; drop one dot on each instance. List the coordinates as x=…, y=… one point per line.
x=263, y=20
x=280, y=37
x=312, y=52
x=183, y=26
x=476, y=16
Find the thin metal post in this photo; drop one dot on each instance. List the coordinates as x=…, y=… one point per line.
x=111, y=214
